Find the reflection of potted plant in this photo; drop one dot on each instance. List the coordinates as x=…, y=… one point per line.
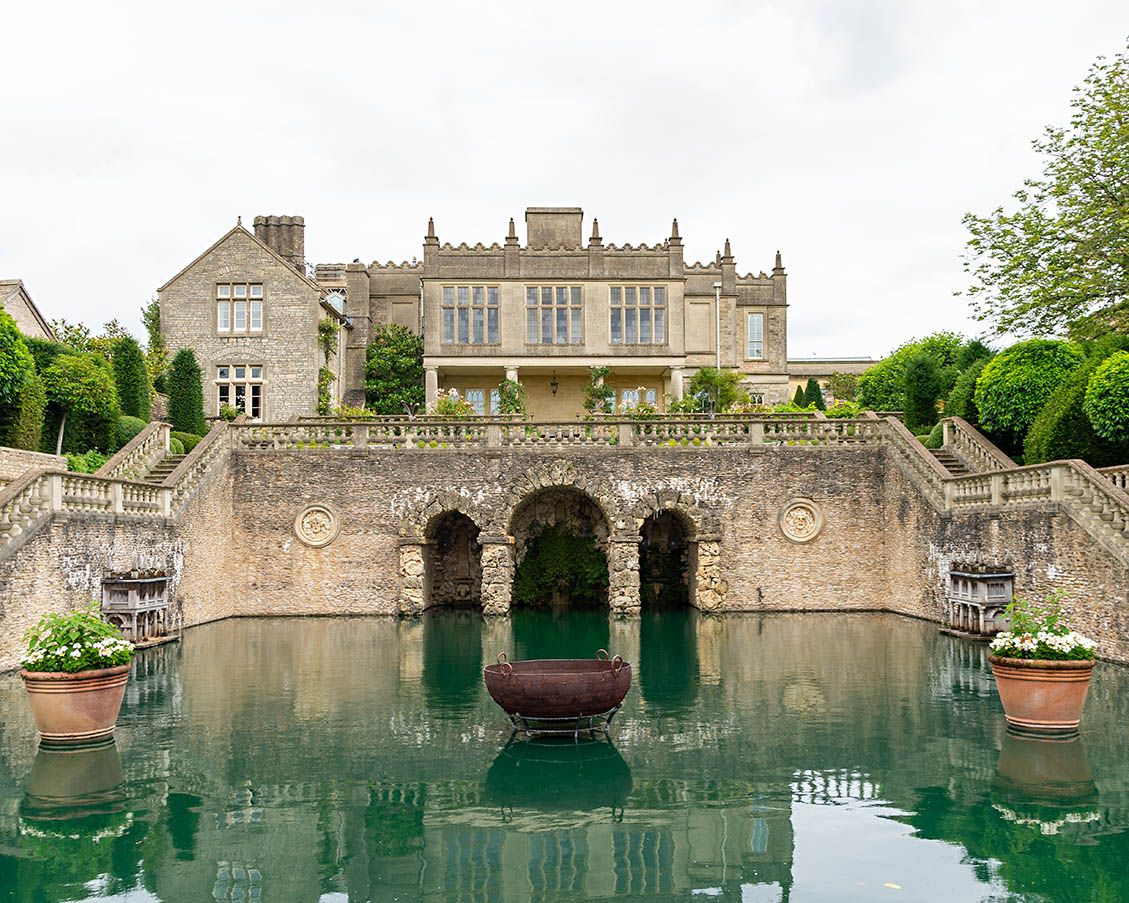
x=1042, y=667
x=75, y=671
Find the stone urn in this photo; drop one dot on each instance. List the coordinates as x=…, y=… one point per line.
x=76, y=708
x=1041, y=696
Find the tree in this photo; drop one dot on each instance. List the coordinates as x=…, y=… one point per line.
x=843, y=386
x=74, y=335
x=721, y=389
x=131, y=376
x=921, y=387
x=1107, y=399
x=394, y=371
x=1058, y=258
x=156, y=353
x=80, y=387
x=960, y=401
x=798, y=398
x=104, y=344
x=21, y=425
x=813, y=394
x=881, y=387
x=186, y=394
x=17, y=366
x=1016, y=383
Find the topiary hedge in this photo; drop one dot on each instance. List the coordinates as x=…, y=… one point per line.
x=176, y=447
x=128, y=427
x=21, y=425
x=131, y=376
x=961, y=401
x=186, y=394
x=1107, y=400
x=188, y=440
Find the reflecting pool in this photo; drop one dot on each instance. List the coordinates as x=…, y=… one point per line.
x=757, y=758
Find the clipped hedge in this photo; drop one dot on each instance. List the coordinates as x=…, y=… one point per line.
x=188, y=440
x=936, y=437
x=961, y=401
x=1107, y=399
x=21, y=425
x=176, y=447
x=128, y=427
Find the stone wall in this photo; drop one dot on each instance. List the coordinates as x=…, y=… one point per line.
x=15, y=462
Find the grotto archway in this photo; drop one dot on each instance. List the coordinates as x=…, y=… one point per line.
x=453, y=562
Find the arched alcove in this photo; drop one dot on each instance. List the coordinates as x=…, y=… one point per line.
x=453, y=562
x=666, y=575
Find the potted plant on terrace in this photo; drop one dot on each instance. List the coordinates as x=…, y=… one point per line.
x=1042, y=667
x=75, y=670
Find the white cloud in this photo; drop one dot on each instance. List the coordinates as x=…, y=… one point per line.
x=851, y=135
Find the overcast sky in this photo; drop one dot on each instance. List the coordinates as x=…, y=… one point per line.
x=851, y=135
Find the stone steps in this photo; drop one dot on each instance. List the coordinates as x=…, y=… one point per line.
x=950, y=462
x=162, y=469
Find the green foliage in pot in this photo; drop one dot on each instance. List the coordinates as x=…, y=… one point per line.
x=1039, y=630
x=76, y=641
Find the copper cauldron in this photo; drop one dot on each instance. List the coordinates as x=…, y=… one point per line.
x=558, y=687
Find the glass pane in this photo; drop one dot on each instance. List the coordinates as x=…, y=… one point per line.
x=256, y=314
x=224, y=394
x=616, y=294
x=256, y=373
x=240, y=291
x=562, y=296
x=562, y=327
x=492, y=296
x=464, y=325
x=651, y=396
x=629, y=296
x=547, y=295
x=660, y=296
x=448, y=324
x=479, y=296
x=617, y=327
x=645, y=327
x=256, y=402
x=476, y=398
x=223, y=373
x=240, y=315
x=644, y=297
x=449, y=295
x=256, y=291
x=495, y=401
x=577, y=325
x=660, y=327
x=546, y=325
x=241, y=397
x=240, y=372
x=223, y=316
x=531, y=326
x=531, y=295
x=630, y=334
x=464, y=296
x=492, y=325
x=479, y=338
x=223, y=291
x=576, y=297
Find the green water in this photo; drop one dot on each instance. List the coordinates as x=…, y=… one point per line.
x=818, y=757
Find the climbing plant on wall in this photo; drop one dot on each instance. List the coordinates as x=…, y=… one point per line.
x=561, y=569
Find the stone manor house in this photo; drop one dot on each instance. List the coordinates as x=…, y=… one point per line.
x=543, y=312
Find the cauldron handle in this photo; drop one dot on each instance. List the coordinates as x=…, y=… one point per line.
x=502, y=658
x=617, y=663
x=602, y=658
x=507, y=669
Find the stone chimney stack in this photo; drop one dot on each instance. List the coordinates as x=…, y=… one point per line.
x=286, y=236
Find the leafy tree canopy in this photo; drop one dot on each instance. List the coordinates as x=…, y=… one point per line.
x=882, y=387
x=843, y=386
x=394, y=371
x=1016, y=383
x=1107, y=399
x=1058, y=258
x=720, y=389
x=17, y=366
x=960, y=401
x=81, y=386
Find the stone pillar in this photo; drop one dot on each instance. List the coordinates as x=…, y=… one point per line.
x=497, y=574
x=430, y=388
x=676, y=383
x=623, y=574
x=413, y=577
x=511, y=373
x=709, y=588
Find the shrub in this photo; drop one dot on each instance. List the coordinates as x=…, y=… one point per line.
x=451, y=404
x=798, y=398
x=1038, y=630
x=813, y=394
x=1018, y=382
x=394, y=371
x=935, y=437
x=325, y=389
x=1062, y=429
x=21, y=425
x=960, y=401
x=176, y=447
x=843, y=409
x=83, y=402
x=1107, y=398
x=188, y=440
x=85, y=462
x=228, y=412
x=186, y=393
x=719, y=389
x=17, y=366
x=45, y=351
x=131, y=376
x=511, y=397
x=598, y=395
x=882, y=388
x=843, y=386
x=75, y=641
x=128, y=427
x=921, y=386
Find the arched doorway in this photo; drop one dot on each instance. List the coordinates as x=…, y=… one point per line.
x=453, y=562
x=666, y=561
x=561, y=540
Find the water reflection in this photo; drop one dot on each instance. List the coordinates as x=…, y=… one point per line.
x=765, y=757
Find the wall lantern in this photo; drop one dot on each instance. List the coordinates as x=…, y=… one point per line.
x=553, y=384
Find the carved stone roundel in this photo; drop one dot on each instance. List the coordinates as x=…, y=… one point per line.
x=801, y=520
x=317, y=525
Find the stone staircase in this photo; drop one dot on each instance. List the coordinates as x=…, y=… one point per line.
x=954, y=465
x=162, y=469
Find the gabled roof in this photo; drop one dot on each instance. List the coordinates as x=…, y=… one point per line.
x=238, y=227
x=9, y=288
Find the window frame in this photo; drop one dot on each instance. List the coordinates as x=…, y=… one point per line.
x=230, y=300
x=470, y=310
x=553, y=310
x=225, y=387
x=638, y=309
x=749, y=319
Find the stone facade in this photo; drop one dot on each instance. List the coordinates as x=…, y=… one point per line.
x=15, y=462
x=15, y=300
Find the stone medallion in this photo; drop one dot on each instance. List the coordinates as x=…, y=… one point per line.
x=317, y=525
x=801, y=520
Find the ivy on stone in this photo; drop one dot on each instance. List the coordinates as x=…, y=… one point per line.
x=394, y=371
x=561, y=569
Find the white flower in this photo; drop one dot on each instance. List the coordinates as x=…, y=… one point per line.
x=76, y=654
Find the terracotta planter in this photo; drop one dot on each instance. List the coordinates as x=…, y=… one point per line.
x=76, y=708
x=1042, y=697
